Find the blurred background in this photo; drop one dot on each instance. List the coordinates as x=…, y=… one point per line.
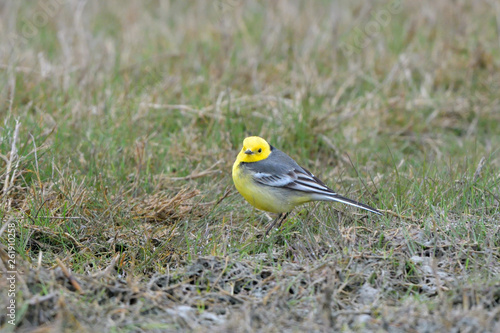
x=120, y=122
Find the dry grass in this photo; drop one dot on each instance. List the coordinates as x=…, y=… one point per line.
x=120, y=123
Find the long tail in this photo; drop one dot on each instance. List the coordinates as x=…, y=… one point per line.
x=336, y=197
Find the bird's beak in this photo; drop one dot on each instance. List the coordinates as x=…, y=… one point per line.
x=248, y=152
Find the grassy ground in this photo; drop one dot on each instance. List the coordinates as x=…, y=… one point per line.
x=131, y=114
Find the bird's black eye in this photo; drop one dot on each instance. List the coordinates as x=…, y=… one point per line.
x=260, y=150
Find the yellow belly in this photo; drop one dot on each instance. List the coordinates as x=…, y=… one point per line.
x=275, y=200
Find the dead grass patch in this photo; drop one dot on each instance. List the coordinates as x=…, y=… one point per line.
x=167, y=208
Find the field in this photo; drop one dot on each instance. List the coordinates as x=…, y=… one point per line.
x=120, y=122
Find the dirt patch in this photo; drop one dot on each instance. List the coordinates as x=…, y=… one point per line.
x=242, y=295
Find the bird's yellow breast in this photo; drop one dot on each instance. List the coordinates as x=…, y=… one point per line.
x=274, y=200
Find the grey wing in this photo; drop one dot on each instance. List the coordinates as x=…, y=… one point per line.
x=307, y=182
x=275, y=180
x=304, y=181
x=288, y=174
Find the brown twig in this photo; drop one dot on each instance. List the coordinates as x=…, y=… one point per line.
x=68, y=275
x=12, y=159
x=196, y=174
x=479, y=168
x=48, y=231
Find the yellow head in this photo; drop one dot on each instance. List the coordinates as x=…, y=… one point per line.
x=254, y=150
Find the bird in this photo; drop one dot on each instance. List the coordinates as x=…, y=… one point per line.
x=272, y=181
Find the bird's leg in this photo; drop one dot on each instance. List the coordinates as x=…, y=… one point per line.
x=279, y=220
x=273, y=224
x=283, y=218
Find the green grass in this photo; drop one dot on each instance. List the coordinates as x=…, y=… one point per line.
x=137, y=112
